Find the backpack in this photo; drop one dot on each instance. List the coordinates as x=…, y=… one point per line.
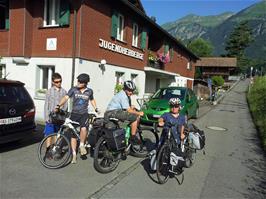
x=177, y=160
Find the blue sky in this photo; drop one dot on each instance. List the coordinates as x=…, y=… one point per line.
x=170, y=10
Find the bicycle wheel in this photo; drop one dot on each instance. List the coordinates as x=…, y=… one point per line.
x=105, y=160
x=163, y=164
x=190, y=156
x=58, y=154
x=149, y=140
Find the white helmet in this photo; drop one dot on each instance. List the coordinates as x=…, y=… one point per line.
x=129, y=85
x=174, y=101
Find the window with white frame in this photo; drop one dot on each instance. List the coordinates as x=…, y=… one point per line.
x=51, y=12
x=119, y=78
x=44, y=78
x=2, y=71
x=120, y=28
x=135, y=35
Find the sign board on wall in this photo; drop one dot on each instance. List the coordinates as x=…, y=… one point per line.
x=51, y=43
x=119, y=49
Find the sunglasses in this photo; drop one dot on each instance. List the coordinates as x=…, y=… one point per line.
x=56, y=82
x=175, y=106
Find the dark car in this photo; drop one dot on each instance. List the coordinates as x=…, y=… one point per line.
x=17, y=111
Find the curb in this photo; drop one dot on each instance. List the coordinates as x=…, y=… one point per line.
x=222, y=96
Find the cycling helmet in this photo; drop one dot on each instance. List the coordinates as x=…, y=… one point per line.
x=174, y=101
x=83, y=78
x=129, y=85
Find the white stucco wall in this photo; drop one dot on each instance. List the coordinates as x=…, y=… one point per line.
x=102, y=83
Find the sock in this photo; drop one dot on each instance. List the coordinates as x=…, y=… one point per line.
x=74, y=153
x=81, y=144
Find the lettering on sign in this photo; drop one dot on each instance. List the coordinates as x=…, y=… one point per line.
x=119, y=49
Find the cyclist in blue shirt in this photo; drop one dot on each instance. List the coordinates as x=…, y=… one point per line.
x=120, y=108
x=173, y=120
x=81, y=95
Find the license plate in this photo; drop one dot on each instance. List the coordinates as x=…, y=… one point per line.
x=11, y=120
x=156, y=116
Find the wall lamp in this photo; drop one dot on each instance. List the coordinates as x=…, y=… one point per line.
x=102, y=65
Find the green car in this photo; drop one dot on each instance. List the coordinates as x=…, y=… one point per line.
x=158, y=103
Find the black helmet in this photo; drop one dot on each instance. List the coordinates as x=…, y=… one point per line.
x=83, y=78
x=129, y=85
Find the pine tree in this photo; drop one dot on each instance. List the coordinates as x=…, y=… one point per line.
x=238, y=41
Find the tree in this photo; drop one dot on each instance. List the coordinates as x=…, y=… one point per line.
x=238, y=41
x=201, y=47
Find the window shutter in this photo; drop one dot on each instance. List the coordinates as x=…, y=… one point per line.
x=114, y=24
x=143, y=39
x=7, y=17
x=171, y=54
x=166, y=49
x=64, y=14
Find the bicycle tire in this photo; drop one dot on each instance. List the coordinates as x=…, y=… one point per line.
x=163, y=163
x=149, y=140
x=60, y=152
x=105, y=160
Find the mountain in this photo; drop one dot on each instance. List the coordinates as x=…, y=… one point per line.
x=217, y=29
x=193, y=26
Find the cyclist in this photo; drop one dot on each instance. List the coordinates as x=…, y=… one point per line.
x=52, y=98
x=120, y=108
x=173, y=120
x=81, y=95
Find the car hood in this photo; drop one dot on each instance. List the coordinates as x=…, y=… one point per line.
x=155, y=103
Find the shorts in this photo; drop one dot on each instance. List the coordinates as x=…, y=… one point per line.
x=121, y=115
x=50, y=128
x=82, y=119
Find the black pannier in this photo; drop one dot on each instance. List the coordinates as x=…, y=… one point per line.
x=95, y=132
x=115, y=138
x=177, y=160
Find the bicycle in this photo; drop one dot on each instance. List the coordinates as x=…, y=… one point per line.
x=170, y=159
x=109, y=150
x=60, y=150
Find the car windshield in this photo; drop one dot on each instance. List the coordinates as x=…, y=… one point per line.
x=13, y=94
x=167, y=93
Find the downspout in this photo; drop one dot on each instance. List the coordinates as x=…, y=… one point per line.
x=74, y=45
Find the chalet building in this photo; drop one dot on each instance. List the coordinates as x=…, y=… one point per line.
x=112, y=41
x=217, y=66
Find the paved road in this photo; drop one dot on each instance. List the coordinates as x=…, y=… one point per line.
x=234, y=165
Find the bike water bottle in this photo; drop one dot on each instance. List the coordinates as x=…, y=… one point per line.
x=127, y=134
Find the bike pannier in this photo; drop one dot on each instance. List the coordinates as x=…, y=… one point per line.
x=197, y=139
x=177, y=160
x=116, y=139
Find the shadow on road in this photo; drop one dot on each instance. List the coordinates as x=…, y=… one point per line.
x=33, y=138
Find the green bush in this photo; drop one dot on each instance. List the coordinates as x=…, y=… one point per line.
x=118, y=88
x=257, y=104
x=217, y=80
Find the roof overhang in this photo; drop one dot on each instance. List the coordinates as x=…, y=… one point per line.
x=156, y=71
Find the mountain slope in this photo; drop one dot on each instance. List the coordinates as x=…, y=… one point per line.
x=217, y=29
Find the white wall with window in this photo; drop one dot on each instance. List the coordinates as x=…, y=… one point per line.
x=135, y=35
x=120, y=27
x=43, y=79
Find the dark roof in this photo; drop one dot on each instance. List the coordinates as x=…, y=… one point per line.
x=138, y=4
x=217, y=62
x=151, y=22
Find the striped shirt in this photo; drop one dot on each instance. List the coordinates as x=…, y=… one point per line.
x=53, y=97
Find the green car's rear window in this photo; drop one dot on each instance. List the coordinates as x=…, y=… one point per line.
x=167, y=93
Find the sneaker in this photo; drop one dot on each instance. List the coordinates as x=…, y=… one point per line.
x=74, y=159
x=82, y=150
